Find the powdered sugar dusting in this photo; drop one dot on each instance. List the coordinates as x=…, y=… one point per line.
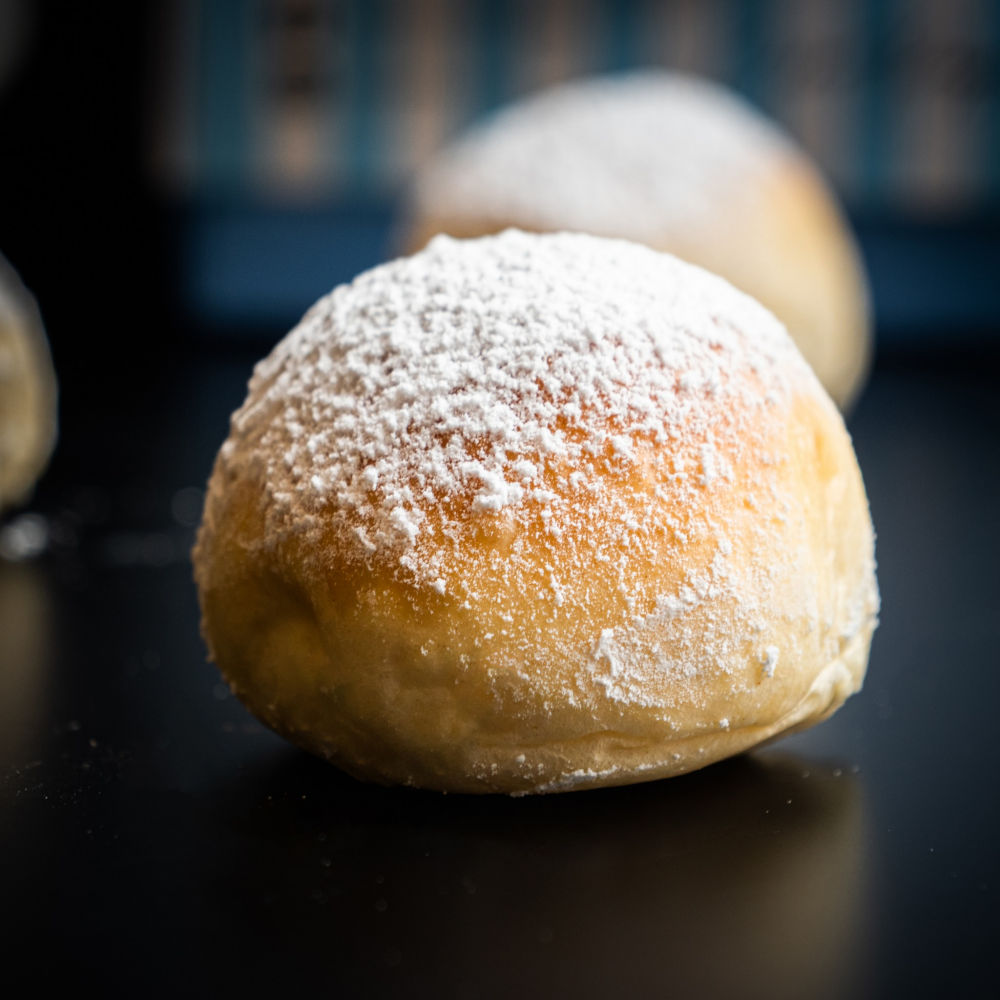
x=544, y=413
x=470, y=369
x=769, y=660
x=638, y=155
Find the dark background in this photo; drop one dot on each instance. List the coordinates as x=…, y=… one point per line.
x=155, y=840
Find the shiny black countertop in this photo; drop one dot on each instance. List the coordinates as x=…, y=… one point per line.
x=156, y=841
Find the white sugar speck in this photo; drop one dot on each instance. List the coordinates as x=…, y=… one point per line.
x=769, y=660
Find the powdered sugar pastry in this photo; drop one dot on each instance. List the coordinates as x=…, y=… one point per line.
x=503, y=379
x=641, y=155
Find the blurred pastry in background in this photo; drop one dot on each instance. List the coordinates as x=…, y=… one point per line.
x=682, y=165
x=27, y=391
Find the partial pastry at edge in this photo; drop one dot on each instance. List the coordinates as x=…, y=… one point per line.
x=27, y=392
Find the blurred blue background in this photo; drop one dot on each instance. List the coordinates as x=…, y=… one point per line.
x=225, y=163
x=287, y=130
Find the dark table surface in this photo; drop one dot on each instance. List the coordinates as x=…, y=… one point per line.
x=156, y=841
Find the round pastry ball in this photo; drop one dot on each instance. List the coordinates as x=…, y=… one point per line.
x=27, y=392
x=536, y=512
x=682, y=165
